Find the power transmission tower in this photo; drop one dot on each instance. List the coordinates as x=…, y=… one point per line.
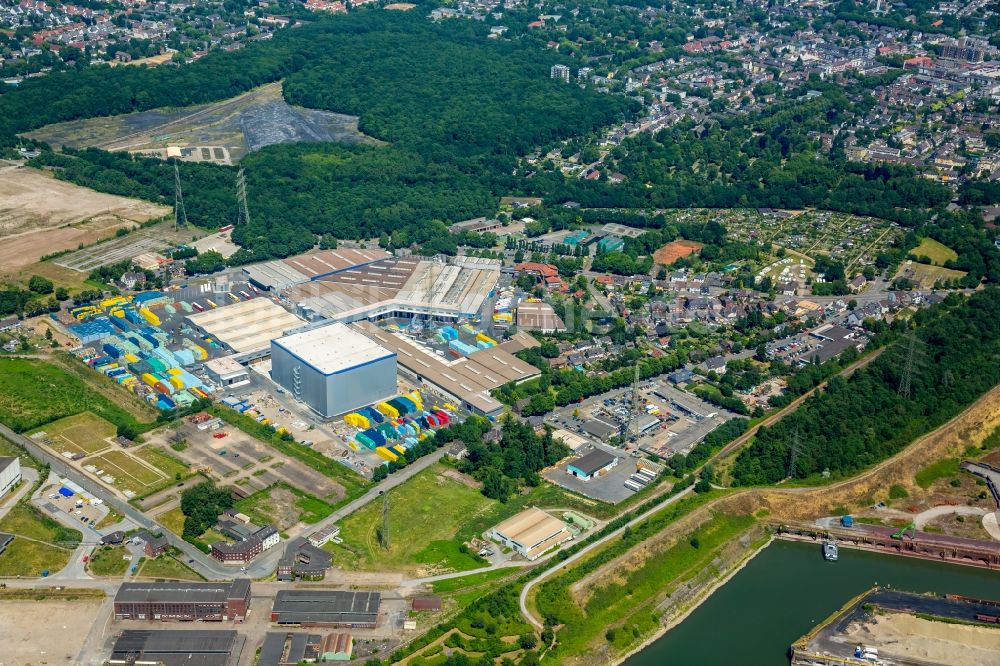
x=795, y=453
x=907, y=378
x=383, y=535
x=179, y=212
x=241, y=197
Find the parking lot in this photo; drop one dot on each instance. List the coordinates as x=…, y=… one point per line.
x=682, y=420
x=54, y=504
x=610, y=487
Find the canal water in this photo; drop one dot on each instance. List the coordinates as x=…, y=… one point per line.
x=785, y=591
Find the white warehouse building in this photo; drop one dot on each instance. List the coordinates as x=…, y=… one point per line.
x=10, y=473
x=333, y=369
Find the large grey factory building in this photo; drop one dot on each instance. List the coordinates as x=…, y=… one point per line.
x=333, y=369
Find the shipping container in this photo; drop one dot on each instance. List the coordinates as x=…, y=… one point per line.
x=198, y=306
x=111, y=350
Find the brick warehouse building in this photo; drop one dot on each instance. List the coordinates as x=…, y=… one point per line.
x=228, y=600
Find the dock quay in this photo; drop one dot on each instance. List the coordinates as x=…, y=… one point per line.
x=881, y=539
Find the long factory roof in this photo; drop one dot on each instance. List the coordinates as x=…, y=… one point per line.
x=248, y=325
x=470, y=378
x=178, y=593
x=398, y=283
x=284, y=273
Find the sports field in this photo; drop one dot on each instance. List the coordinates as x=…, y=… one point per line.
x=938, y=253
x=425, y=514
x=84, y=434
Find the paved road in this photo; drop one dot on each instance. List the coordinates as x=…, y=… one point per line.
x=391, y=482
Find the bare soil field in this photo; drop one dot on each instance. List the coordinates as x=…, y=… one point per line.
x=909, y=637
x=40, y=215
x=45, y=632
x=237, y=126
x=671, y=252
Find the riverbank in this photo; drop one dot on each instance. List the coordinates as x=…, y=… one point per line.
x=701, y=597
x=786, y=591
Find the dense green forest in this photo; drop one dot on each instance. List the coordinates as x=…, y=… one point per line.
x=456, y=111
x=862, y=420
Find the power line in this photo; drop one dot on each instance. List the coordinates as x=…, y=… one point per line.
x=795, y=453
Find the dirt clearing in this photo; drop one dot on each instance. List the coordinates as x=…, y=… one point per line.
x=671, y=252
x=908, y=637
x=40, y=632
x=40, y=215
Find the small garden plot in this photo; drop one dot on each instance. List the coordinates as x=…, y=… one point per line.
x=82, y=434
x=129, y=473
x=162, y=461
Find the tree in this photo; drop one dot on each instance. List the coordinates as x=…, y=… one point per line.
x=201, y=506
x=40, y=285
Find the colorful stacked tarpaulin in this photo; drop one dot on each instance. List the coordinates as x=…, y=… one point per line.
x=373, y=415
x=386, y=454
x=387, y=409
x=357, y=420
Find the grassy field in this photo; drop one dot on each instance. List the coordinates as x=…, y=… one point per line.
x=173, y=520
x=282, y=506
x=26, y=520
x=161, y=460
x=938, y=253
x=30, y=558
x=167, y=567
x=8, y=448
x=924, y=276
x=426, y=513
x=109, y=561
x=619, y=610
x=941, y=469
x=84, y=433
x=129, y=473
x=34, y=392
